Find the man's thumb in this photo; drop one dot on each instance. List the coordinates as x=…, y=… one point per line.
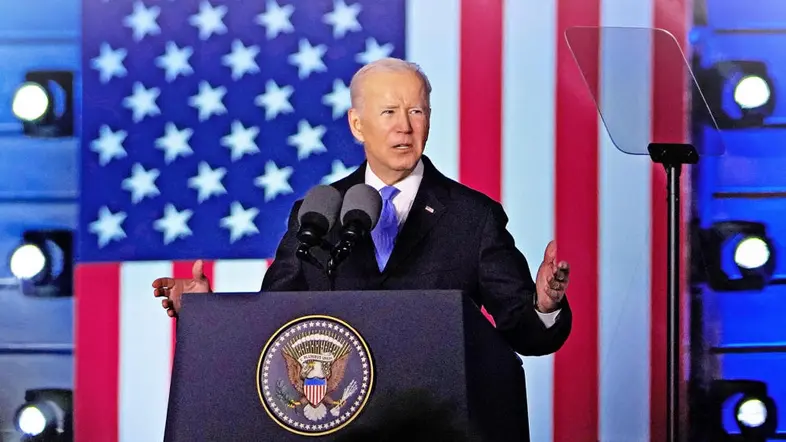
x=197, y=270
x=551, y=251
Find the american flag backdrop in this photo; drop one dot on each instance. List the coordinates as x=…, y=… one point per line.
x=203, y=121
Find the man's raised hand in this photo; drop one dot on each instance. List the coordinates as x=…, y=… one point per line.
x=552, y=280
x=172, y=289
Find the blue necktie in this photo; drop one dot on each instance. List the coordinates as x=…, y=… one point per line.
x=384, y=234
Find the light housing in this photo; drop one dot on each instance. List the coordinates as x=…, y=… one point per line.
x=748, y=403
x=737, y=256
x=43, y=263
x=46, y=416
x=740, y=93
x=44, y=103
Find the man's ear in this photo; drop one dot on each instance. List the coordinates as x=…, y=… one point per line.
x=355, y=125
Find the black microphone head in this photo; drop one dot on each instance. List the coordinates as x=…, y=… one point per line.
x=362, y=204
x=319, y=209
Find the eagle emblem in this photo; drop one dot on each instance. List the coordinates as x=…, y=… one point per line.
x=315, y=375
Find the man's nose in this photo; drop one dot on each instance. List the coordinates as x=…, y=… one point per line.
x=403, y=123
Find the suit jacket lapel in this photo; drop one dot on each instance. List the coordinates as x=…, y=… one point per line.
x=426, y=211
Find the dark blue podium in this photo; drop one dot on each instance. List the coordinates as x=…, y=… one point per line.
x=298, y=366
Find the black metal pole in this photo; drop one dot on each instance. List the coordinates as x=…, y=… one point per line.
x=673, y=156
x=673, y=172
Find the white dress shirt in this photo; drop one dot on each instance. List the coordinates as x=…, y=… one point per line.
x=408, y=188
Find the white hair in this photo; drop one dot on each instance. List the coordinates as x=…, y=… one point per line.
x=385, y=65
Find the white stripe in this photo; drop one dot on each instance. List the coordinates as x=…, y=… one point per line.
x=433, y=43
x=624, y=288
x=145, y=354
x=529, y=85
x=238, y=275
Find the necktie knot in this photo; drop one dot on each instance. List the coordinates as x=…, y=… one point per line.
x=388, y=193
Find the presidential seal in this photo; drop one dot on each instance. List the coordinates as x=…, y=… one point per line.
x=315, y=375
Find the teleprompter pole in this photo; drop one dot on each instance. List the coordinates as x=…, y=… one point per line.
x=673, y=156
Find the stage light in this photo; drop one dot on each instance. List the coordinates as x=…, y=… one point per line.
x=752, y=92
x=30, y=102
x=46, y=416
x=43, y=263
x=737, y=255
x=751, y=412
x=44, y=103
x=747, y=404
x=31, y=420
x=27, y=261
x=740, y=94
x=752, y=253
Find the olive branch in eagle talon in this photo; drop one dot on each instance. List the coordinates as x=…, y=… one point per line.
x=283, y=396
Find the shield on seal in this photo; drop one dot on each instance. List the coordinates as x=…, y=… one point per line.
x=315, y=389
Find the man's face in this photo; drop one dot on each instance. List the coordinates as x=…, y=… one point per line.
x=392, y=122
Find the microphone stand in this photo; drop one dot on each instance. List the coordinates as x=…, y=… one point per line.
x=331, y=273
x=673, y=156
x=303, y=253
x=340, y=251
x=350, y=235
x=308, y=240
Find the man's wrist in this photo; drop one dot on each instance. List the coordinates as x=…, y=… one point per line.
x=541, y=309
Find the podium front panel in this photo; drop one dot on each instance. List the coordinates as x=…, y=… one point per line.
x=222, y=388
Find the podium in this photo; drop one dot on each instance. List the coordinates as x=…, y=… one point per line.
x=314, y=366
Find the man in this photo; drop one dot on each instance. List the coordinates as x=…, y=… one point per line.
x=446, y=235
x=433, y=233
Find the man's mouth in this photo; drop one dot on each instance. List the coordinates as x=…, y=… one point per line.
x=402, y=146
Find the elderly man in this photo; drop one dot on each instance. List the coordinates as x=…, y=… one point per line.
x=433, y=233
x=469, y=249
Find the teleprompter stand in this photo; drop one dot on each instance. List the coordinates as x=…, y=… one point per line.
x=673, y=156
x=624, y=57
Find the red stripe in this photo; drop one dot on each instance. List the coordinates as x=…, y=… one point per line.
x=480, y=96
x=96, y=352
x=669, y=117
x=576, y=193
x=184, y=269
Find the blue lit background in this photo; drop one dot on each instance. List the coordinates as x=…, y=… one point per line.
x=743, y=332
x=38, y=190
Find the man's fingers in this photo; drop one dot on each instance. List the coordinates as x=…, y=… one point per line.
x=161, y=291
x=163, y=282
x=557, y=285
x=562, y=271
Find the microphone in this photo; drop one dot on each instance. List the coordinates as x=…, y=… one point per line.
x=316, y=216
x=359, y=215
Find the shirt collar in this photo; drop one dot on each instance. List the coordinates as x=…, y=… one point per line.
x=407, y=186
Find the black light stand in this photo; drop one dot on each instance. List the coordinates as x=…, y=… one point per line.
x=673, y=156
